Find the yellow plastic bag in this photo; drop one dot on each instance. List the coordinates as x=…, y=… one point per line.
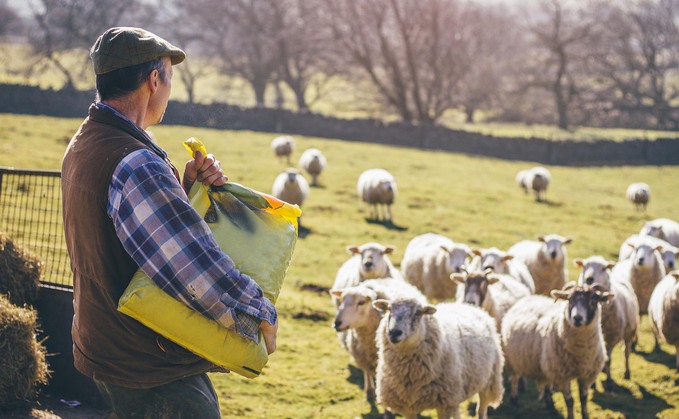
x=259, y=233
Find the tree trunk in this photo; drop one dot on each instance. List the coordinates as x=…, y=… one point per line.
x=469, y=111
x=260, y=90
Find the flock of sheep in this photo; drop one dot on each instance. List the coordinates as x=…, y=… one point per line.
x=513, y=313
x=496, y=312
x=376, y=187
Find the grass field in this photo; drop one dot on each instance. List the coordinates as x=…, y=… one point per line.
x=470, y=199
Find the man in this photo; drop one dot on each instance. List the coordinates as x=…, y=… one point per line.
x=124, y=209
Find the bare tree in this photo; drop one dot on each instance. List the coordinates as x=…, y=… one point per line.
x=413, y=51
x=559, y=34
x=65, y=30
x=8, y=18
x=638, y=62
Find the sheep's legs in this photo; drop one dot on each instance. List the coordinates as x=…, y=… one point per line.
x=568, y=398
x=514, y=395
x=482, y=407
x=369, y=385
x=608, y=384
x=628, y=350
x=583, y=389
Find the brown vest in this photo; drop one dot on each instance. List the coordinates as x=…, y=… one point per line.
x=107, y=345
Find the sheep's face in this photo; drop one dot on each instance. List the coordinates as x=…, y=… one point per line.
x=475, y=289
x=292, y=177
x=404, y=320
x=495, y=260
x=669, y=258
x=386, y=191
x=553, y=247
x=596, y=272
x=644, y=256
x=374, y=261
x=355, y=309
x=458, y=258
x=583, y=302
x=651, y=230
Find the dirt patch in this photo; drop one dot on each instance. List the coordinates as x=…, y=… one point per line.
x=318, y=289
x=316, y=316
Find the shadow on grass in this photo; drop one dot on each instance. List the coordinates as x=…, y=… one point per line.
x=303, y=231
x=317, y=186
x=550, y=203
x=388, y=224
x=622, y=400
x=658, y=357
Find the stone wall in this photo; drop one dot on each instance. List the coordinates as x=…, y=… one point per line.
x=31, y=100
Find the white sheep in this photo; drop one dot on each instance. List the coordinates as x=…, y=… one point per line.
x=639, y=194
x=428, y=261
x=291, y=187
x=545, y=259
x=643, y=270
x=554, y=342
x=377, y=188
x=668, y=253
x=357, y=320
x=283, y=146
x=536, y=179
x=437, y=357
x=663, y=309
x=619, y=318
x=493, y=292
x=662, y=228
x=313, y=162
x=368, y=261
x=503, y=263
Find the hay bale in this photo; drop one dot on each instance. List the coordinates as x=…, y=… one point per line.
x=22, y=357
x=19, y=272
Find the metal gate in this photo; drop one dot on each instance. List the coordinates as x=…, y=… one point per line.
x=31, y=215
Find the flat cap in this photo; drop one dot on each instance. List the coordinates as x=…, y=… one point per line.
x=121, y=47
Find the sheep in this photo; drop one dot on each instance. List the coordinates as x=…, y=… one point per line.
x=377, y=188
x=663, y=309
x=545, y=259
x=291, y=187
x=643, y=271
x=554, y=342
x=437, y=357
x=357, y=320
x=662, y=228
x=639, y=194
x=668, y=253
x=536, y=179
x=428, y=261
x=495, y=293
x=369, y=261
x=283, y=146
x=619, y=318
x=521, y=179
x=502, y=263
x=313, y=162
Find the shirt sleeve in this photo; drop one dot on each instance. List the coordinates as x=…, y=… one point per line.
x=172, y=244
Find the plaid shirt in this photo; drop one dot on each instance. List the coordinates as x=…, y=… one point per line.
x=174, y=246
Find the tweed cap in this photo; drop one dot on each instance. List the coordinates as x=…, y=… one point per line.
x=126, y=46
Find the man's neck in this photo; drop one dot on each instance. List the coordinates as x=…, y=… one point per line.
x=131, y=107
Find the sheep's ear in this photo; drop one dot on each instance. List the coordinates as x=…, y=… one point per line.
x=370, y=294
x=458, y=278
x=610, y=265
x=560, y=294
x=389, y=249
x=630, y=245
x=488, y=271
x=675, y=274
x=541, y=238
x=445, y=249
x=604, y=297
x=429, y=309
x=353, y=249
x=658, y=249
x=336, y=293
x=568, y=240
x=477, y=251
x=507, y=257
x=578, y=262
x=381, y=305
x=493, y=279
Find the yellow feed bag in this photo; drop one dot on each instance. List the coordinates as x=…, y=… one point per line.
x=259, y=233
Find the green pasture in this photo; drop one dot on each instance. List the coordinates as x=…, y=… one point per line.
x=471, y=199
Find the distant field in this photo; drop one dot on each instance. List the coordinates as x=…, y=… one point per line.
x=470, y=199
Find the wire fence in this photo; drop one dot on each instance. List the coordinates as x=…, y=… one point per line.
x=31, y=215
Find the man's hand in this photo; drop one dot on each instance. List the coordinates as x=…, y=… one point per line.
x=269, y=332
x=206, y=170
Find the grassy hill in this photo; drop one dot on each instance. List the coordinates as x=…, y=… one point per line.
x=470, y=199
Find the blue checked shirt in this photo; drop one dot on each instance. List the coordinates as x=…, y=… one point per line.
x=172, y=244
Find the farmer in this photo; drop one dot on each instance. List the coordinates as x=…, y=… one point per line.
x=124, y=209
